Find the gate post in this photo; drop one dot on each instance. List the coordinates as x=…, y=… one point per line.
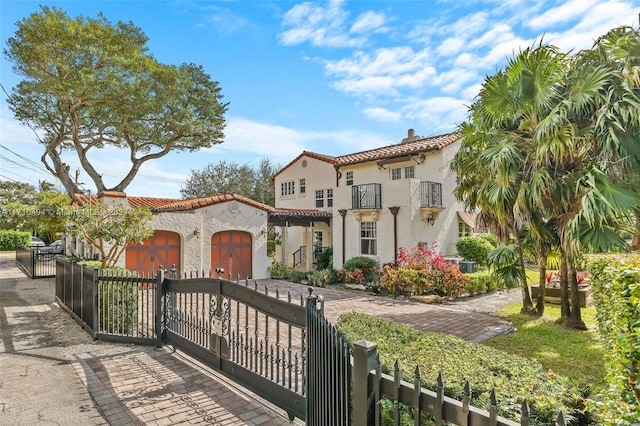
x=364, y=360
x=159, y=308
x=95, y=289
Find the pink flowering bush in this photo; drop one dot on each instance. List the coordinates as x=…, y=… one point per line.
x=424, y=271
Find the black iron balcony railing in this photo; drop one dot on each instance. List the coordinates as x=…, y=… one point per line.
x=430, y=194
x=367, y=196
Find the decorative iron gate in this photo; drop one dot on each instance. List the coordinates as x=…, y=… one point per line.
x=256, y=338
x=329, y=370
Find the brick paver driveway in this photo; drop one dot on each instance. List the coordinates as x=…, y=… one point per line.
x=471, y=326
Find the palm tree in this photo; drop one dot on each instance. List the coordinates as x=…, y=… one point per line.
x=499, y=137
x=553, y=138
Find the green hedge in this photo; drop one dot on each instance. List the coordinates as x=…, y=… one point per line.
x=10, y=239
x=118, y=300
x=474, y=248
x=514, y=378
x=615, y=280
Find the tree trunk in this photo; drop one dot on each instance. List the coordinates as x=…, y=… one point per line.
x=565, y=308
x=542, y=278
x=527, y=304
x=575, y=317
x=635, y=243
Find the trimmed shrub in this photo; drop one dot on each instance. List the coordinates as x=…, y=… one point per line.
x=615, y=279
x=474, y=248
x=479, y=282
x=359, y=269
x=324, y=260
x=118, y=299
x=297, y=276
x=279, y=271
x=514, y=378
x=10, y=239
x=423, y=271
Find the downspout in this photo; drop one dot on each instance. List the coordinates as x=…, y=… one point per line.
x=394, y=212
x=343, y=213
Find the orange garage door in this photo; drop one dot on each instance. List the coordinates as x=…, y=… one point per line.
x=162, y=248
x=232, y=251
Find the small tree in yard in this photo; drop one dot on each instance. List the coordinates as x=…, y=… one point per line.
x=111, y=228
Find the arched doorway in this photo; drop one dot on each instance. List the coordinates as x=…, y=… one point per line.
x=232, y=251
x=162, y=248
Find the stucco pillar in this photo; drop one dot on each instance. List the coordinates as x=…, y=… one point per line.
x=285, y=248
x=309, y=248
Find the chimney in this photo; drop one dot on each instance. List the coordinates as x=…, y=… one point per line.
x=411, y=136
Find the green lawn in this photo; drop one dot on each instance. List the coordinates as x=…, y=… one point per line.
x=571, y=353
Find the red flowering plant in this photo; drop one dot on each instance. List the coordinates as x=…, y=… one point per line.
x=424, y=271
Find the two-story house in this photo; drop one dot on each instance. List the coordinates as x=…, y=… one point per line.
x=380, y=200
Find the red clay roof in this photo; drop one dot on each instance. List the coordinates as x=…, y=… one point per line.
x=434, y=143
x=326, y=158
x=196, y=203
x=420, y=145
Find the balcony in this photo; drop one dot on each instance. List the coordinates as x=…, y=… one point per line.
x=430, y=200
x=367, y=196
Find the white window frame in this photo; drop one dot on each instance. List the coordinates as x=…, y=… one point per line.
x=349, y=178
x=329, y=197
x=302, y=186
x=319, y=198
x=287, y=188
x=368, y=238
x=396, y=173
x=409, y=172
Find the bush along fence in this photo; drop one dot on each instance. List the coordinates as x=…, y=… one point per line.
x=381, y=399
x=111, y=305
x=327, y=380
x=616, y=291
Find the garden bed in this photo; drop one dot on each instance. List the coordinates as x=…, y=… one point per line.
x=552, y=295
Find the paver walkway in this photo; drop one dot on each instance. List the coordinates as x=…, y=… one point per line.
x=456, y=319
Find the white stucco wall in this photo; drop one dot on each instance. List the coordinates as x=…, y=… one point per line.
x=196, y=250
x=403, y=193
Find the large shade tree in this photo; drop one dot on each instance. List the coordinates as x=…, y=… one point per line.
x=89, y=84
x=229, y=177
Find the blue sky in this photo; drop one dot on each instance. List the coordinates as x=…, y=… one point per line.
x=333, y=77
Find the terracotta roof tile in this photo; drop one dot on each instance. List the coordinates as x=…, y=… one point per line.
x=326, y=158
x=196, y=203
x=419, y=145
x=433, y=143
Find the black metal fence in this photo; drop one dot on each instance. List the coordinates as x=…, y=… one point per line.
x=371, y=386
x=37, y=262
x=110, y=305
x=329, y=370
x=284, y=350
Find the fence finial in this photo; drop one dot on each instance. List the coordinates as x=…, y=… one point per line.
x=524, y=414
x=466, y=396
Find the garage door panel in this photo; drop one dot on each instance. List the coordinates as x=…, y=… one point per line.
x=232, y=251
x=162, y=248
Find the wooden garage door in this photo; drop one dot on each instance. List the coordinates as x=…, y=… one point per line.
x=162, y=248
x=232, y=251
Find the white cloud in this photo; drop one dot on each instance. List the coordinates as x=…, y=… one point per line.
x=321, y=24
x=382, y=114
x=438, y=114
x=566, y=12
x=369, y=21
